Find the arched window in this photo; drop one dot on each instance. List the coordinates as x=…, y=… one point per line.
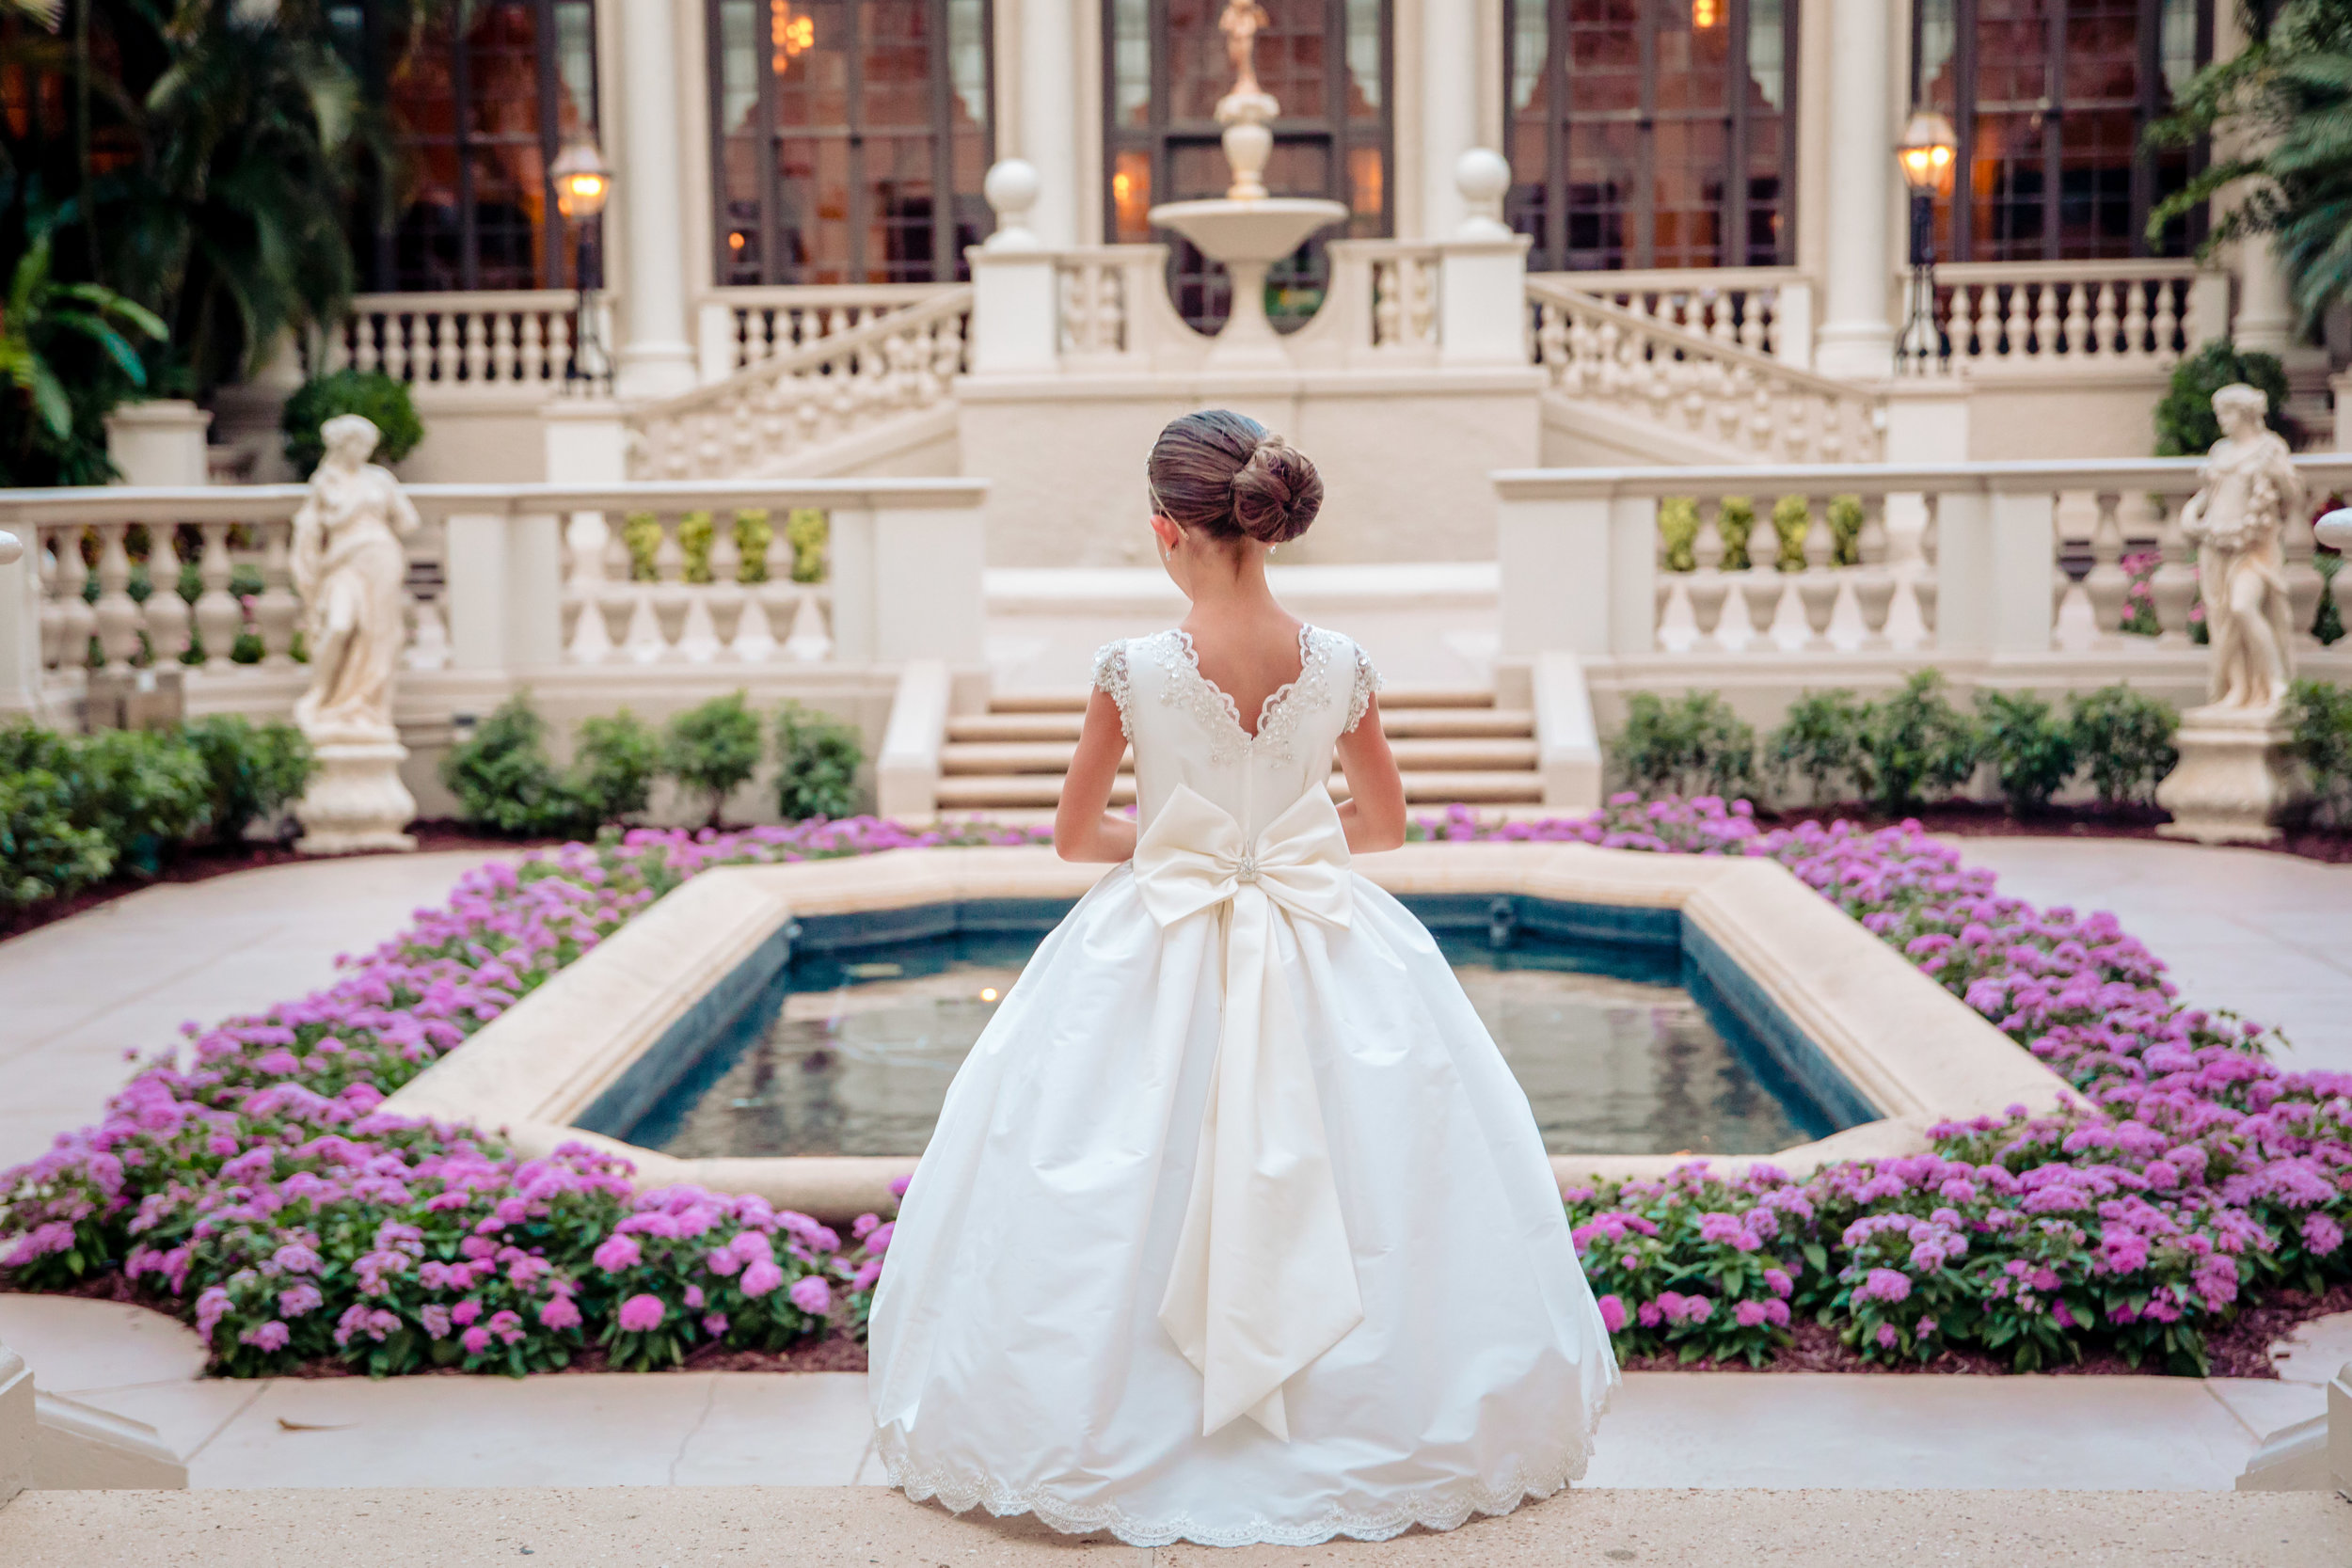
x=1164, y=69
x=1652, y=133
x=849, y=138
x=2049, y=97
x=480, y=98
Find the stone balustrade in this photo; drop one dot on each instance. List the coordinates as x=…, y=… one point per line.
x=741, y=327
x=472, y=342
x=506, y=581
x=2032, y=561
x=2041, y=318
x=1763, y=310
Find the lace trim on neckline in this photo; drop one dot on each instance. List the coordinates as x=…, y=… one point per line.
x=1278, y=715
x=1442, y=1507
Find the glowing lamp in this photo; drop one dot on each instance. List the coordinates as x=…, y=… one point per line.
x=582, y=181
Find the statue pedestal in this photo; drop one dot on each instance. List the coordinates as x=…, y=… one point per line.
x=2235, y=781
x=356, y=800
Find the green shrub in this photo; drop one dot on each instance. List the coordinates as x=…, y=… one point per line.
x=257, y=771
x=1819, y=742
x=614, y=764
x=26, y=746
x=1792, y=520
x=809, y=532
x=2321, y=716
x=1845, y=527
x=147, y=791
x=1693, y=745
x=2125, y=737
x=1678, y=527
x=817, y=757
x=2031, y=749
x=503, y=777
x=1915, y=742
x=43, y=853
x=712, y=749
x=384, y=401
x=1735, y=524
x=2185, y=426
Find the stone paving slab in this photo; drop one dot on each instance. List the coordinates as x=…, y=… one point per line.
x=865, y=1528
x=2249, y=929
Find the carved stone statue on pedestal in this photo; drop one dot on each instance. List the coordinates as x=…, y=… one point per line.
x=349, y=568
x=2235, y=781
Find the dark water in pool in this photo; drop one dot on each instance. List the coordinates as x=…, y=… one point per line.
x=1615, y=1054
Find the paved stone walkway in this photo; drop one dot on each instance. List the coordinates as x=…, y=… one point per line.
x=75, y=996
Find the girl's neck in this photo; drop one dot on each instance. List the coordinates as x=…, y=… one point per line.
x=1231, y=589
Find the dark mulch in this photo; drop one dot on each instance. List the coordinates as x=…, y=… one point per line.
x=2241, y=1350
x=203, y=864
x=1982, y=819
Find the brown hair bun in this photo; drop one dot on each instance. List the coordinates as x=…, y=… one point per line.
x=1225, y=475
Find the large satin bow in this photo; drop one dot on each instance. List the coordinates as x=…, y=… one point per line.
x=1264, y=1280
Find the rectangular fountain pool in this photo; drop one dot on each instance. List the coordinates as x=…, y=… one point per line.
x=1629, y=1032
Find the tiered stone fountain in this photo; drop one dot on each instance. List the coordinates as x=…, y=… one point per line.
x=1246, y=228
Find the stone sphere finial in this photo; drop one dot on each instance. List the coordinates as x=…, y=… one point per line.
x=1012, y=188
x=11, y=550
x=1483, y=177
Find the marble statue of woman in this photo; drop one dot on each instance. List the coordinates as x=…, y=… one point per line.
x=2237, y=520
x=349, y=567
x=1240, y=23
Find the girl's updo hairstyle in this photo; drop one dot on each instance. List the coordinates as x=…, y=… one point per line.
x=1218, y=473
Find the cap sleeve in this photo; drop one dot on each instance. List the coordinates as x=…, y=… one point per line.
x=1359, y=698
x=1110, y=674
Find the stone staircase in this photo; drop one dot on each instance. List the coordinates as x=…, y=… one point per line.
x=1452, y=744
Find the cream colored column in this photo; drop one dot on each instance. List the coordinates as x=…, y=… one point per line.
x=657, y=357
x=2266, y=315
x=1049, y=129
x=1449, y=108
x=1856, y=337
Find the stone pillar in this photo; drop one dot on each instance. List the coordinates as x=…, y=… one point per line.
x=1856, y=338
x=1049, y=101
x=1449, y=110
x=2266, y=315
x=1482, y=284
x=1016, y=324
x=657, y=360
x=160, y=442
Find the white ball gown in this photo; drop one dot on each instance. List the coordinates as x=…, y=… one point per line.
x=1235, y=1227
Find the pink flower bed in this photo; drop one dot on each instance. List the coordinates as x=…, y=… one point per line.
x=261, y=1194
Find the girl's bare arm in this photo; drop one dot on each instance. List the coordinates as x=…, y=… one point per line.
x=1085, y=828
x=1374, y=813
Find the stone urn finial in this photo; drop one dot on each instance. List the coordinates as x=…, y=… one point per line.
x=1012, y=188
x=11, y=550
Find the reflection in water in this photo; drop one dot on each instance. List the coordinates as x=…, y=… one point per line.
x=1609, y=1064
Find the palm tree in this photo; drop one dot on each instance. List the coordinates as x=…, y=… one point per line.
x=40, y=316
x=2285, y=104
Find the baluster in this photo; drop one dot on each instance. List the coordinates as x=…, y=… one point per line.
x=2018, y=329
x=118, y=613
x=502, y=347
x=2136, y=319
x=2076, y=334
x=43, y=543
x=361, y=337
x=476, y=328
x=2104, y=326
x=1387, y=309
x=77, y=620
x=1924, y=586
x=277, y=610
x=1425, y=301
x=1818, y=584
x=1707, y=586
x=2165, y=323
x=811, y=639
x=1753, y=334
x=530, y=364
x=2305, y=586
x=2173, y=586
x=559, y=344
x=428, y=637
x=1990, y=343
x=1874, y=582
x=167, y=614
x=2107, y=583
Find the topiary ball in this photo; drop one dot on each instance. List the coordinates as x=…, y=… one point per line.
x=384, y=401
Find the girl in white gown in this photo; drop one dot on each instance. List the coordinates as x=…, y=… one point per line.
x=1235, y=1227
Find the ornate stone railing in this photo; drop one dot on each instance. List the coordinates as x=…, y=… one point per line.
x=1719, y=395
x=1762, y=310
x=503, y=580
x=841, y=386
x=2022, y=561
x=747, y=325
x=1103, y=302
x=2035, y=317
x=479, y=341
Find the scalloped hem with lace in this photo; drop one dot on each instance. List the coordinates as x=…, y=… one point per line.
x=1440, y=1508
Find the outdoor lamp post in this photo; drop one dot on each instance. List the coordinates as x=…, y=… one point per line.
x=583, y=181
x=1925, y=155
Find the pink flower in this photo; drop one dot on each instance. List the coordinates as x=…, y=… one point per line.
x=811, y=1295
x=1748, y=1314
x=618, y=1252
x=559, y=1313
x=1888, y=1336
x=1612, y=1313
x=476, y=1340
x=761, y=1277
x=642, y=1314
x=270, y=1336
x=715, y=1324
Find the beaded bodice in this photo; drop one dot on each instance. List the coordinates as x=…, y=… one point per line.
x=1185, y=730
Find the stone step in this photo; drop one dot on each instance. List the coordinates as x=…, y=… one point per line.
x=982, y=792
x=1466, y=755
x=1397, y=723
x=1074, y=699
